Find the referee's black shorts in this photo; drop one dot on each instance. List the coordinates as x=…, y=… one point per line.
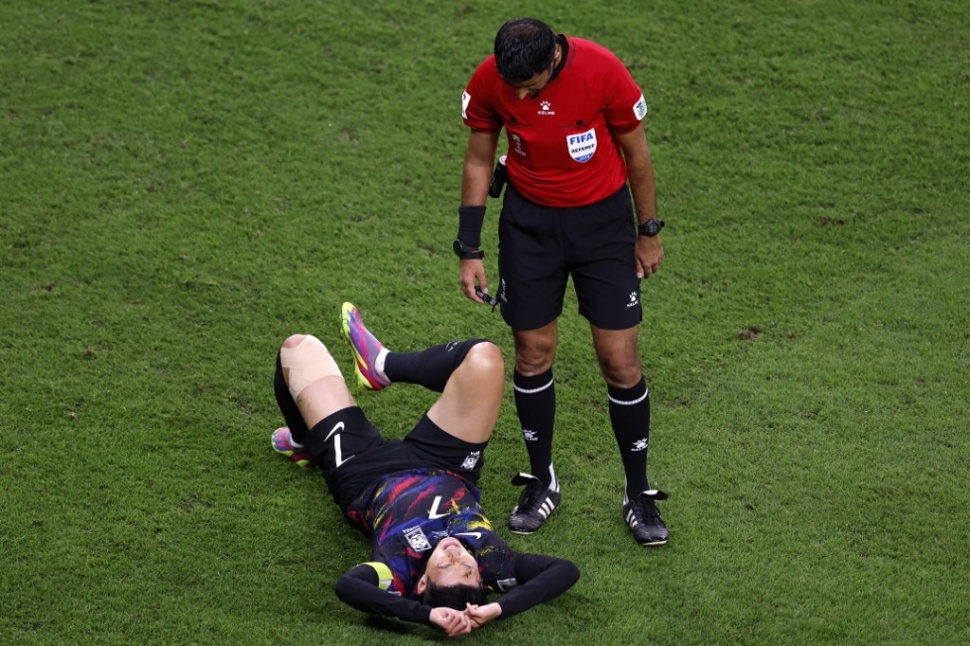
x=540, y=247
x=355, y=458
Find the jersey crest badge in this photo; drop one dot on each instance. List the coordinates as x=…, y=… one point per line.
x=582, y=146
x=416, y=539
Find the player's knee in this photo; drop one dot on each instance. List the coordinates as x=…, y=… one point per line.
x=485, y=361
x=293, y=340
x=305, y=360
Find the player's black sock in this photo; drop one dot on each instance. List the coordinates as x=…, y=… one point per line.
x=284, y=400
x=431, y=367
x=630, y=417
x=535, y=402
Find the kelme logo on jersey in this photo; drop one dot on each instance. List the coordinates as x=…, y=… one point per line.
x=582, y=146
x=417, y=539
x=640, y=109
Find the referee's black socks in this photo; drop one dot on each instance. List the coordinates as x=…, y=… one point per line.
x=535, y=403
x=630, y=417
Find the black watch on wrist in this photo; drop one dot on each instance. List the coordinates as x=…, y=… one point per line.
x=467, y=253
x=650, y=228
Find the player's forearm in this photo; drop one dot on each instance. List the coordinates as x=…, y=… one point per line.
x=543, y=578
x=358, y=589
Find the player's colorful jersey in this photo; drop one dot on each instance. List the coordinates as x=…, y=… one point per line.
x=411, y=511
x=561, y=146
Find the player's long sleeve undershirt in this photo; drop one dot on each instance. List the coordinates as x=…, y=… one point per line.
x=358, y=588
x=540, y=578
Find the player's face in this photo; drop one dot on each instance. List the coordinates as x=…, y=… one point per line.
x=451, y=564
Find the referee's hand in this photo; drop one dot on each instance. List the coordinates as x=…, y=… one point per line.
x=471, y=272
x=649, y=253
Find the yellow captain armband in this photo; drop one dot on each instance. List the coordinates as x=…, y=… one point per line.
x=385, y=578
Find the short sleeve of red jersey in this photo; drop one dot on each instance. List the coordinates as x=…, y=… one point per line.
x=476, y=108
x=625, y=105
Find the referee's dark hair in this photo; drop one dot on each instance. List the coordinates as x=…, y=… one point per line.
x=454, y=596
x=524, y=47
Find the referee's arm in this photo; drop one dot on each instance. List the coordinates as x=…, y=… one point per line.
x=639, y=172
x=477, y=170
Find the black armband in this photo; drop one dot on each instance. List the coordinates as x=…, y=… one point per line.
x=470, y=219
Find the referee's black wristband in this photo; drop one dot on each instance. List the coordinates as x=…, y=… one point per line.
x=470, y=219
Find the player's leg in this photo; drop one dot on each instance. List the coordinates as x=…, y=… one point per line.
x=472, y=395
x=313, y=378
x=454, y=433
x=469, y=375
x=378, y=367
x=308, y=387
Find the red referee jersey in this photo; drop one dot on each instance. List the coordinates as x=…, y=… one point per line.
x=561, y=149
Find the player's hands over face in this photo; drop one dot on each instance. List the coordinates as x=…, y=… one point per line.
x=452, y=622
x=481, y=615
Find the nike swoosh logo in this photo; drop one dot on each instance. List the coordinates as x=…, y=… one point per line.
x=338, y=427
x=337, y=452
x=477, y=535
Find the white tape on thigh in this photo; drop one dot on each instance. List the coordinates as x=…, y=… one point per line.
x=307, y=363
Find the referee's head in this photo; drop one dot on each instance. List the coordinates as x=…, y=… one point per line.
x=524, y=47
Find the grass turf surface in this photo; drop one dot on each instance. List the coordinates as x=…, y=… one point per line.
x=184, y=184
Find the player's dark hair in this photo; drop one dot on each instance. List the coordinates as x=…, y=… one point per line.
x=524, y=47
x=454, y=596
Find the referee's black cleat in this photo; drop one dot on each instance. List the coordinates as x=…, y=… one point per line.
x=643, y=517
x=536, y=502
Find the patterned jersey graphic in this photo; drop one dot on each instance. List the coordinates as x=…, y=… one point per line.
x=410, y=512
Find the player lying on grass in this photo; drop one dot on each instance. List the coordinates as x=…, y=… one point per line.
x=434, y=556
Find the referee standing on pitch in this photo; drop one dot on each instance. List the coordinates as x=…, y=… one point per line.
x=576, y=150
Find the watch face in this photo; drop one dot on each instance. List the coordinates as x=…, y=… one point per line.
x=650, y=228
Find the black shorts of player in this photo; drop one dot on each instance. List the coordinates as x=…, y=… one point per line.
x=355, y=458
x=540, y=247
